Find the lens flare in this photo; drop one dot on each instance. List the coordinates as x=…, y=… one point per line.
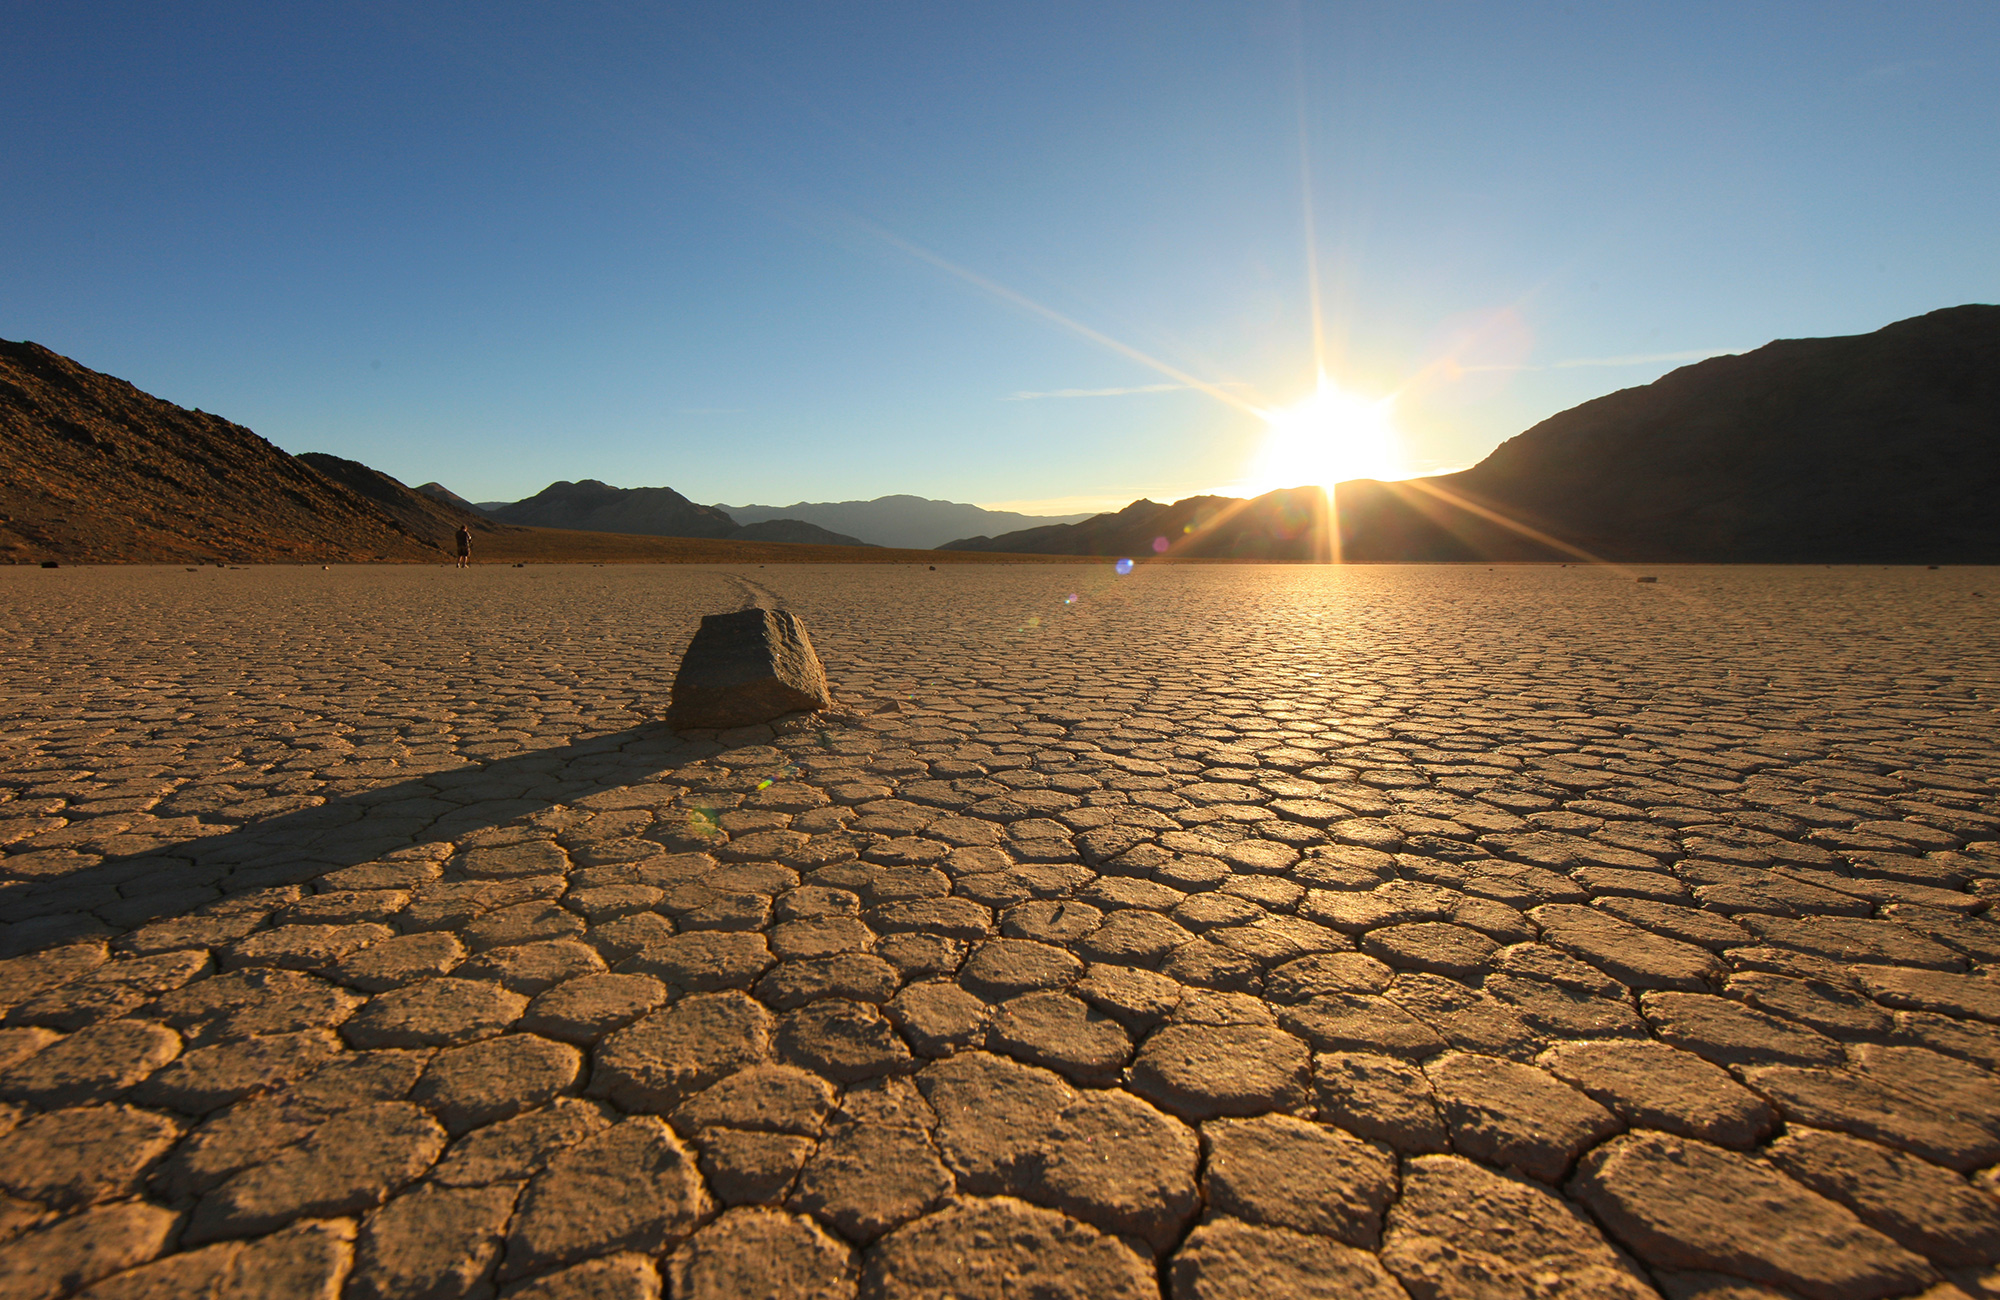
x=1123, y=566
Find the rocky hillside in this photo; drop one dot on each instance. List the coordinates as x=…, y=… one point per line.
x=1871, y=448
x=439, y=492
x=597, y=507
x=92, y=469
x=417, y=512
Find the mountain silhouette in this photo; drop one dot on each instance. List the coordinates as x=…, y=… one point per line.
x=1289, y=524
x=1870, y=448
x=600, y=508
x=902, y=520
x=597, y=507
x=440, y=493
x=94, y=470
x=1881, y=447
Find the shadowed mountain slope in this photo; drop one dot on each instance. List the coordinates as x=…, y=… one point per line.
x=1881, y=447
x=594, y=506
x=1289, y=524
x=416, y=511
x=901, y=520
x=93, y=469
x=1871, y=448
x=793, y=530
x=598, y=507
x=445, y=496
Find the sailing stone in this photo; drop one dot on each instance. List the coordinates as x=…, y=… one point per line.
x=747, y=667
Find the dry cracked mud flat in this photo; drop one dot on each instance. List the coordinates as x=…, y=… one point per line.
x=1215, y=932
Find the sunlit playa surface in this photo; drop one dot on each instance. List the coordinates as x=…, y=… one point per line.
x=1238, y=928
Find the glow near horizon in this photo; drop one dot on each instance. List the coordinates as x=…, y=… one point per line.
x=1329, y=437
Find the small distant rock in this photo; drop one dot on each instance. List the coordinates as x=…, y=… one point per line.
x=747, y=667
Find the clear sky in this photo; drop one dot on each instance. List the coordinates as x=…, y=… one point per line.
x=1041, y=255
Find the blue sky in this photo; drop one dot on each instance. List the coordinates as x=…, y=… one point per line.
x=821, y=251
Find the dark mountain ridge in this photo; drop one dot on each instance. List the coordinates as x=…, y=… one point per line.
x=417, y=512
x=901, y=519
x=1879, y=447
x=600, y=508
x=595, y=506
x=1870, y=448
x=94, y=470
x=445, y=496
x=1288, y=525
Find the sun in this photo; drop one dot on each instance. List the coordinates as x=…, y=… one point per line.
x=1328, y=438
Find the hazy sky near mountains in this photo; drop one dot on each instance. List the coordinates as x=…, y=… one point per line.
x=764, y=253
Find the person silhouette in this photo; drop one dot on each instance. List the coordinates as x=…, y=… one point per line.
x=464, y=546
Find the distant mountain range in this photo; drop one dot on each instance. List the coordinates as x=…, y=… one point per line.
x=916, y=522
x=416, y=511
x=1871, y=448
x=1876, y=448
x=912, y=522
x=94, y=470
x=1289, y=524
x=592, y=506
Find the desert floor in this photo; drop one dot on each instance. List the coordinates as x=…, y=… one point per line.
x=1217, y=931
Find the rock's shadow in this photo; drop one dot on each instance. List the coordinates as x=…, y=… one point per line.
x=127, y=891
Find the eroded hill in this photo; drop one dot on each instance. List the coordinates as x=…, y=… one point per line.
x=93, y=469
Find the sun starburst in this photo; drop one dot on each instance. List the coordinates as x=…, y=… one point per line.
x=1327, y=438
